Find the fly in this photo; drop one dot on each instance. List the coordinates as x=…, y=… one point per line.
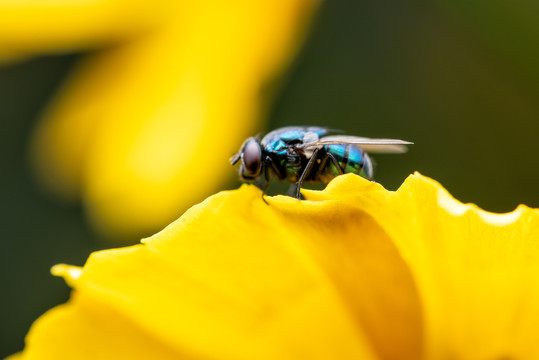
x=301, y=154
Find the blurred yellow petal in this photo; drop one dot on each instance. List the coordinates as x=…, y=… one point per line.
x=145, y=128
x=36, y=26
x=17, y=356
x=356, y=271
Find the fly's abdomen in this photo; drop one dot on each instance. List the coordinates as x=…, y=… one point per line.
x=348, y=159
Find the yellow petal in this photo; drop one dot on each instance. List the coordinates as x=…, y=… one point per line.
x=70, y=273
x=31, y=27
x=85, y=329
x=475, y=271
x=356, y=271
x=237, y=279
x=145, y=129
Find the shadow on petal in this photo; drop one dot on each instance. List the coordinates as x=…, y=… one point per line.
x=366, y=270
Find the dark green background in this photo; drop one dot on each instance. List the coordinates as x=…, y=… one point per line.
x=459, y=79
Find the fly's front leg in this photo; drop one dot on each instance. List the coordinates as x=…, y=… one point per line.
x=260, y=183
x=306, y=172
x=292, y=190
x=268, y=163
x=264, y=184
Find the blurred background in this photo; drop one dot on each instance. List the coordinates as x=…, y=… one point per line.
x=458, y=78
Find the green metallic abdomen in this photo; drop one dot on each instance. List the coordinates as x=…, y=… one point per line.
x=349, y=158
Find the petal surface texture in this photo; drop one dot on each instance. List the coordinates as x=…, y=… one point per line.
x=353, y=272
x=144, y=127
x=475, y=271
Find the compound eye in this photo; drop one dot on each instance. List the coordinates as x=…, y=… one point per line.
x=252, y=156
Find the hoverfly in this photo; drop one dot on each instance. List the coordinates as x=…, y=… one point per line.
x=301, y=154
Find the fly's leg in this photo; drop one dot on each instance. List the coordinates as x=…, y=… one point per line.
x=292, y=190
x=336, y=163
x=306, y=172
x=322, y=166
x=263, y=185
x=260, y=183
x=264, y=193
x=268, y=163
x=324, y=163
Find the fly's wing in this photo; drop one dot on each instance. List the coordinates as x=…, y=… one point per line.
x=369, y=145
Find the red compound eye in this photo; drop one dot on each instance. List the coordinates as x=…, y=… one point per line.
x=252, y=157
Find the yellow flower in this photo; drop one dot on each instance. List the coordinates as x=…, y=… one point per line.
x=355, y=272
x=146, y=124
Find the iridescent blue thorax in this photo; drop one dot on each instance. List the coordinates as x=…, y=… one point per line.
x=280, y=140
x=278, y=145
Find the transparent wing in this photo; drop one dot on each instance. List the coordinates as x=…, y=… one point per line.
x=395, y=146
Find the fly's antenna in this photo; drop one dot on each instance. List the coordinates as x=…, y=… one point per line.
x=234, y=159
